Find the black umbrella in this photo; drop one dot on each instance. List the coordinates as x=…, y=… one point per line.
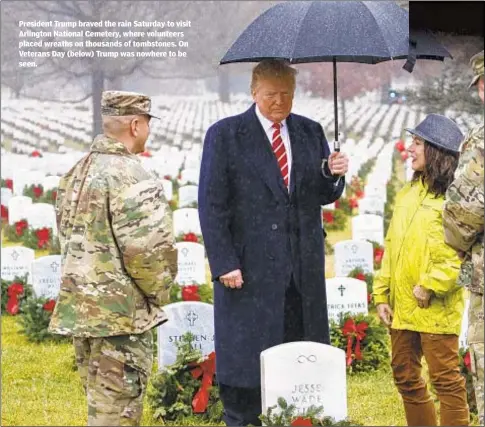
x=333, y=31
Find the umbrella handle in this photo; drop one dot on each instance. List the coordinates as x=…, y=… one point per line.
x=336, y=146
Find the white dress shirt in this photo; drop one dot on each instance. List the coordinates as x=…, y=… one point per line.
x=268, y=129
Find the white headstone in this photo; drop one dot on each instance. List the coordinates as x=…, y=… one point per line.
x=190, y=175
x=368, y=227
x=191, y=263
x=46, y=276
x=305, y=374
x=186, y=220
x=350, y=254
x=187, y=195
x=17, y=208
x=194, y=317
x=463, y=339
x=51, y=182
x=5, y=196
x=40, y=215
x=346, y=294
x=168, y=189
x=16, y=262
x=371, y=205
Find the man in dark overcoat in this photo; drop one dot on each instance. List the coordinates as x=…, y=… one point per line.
x=264, y=176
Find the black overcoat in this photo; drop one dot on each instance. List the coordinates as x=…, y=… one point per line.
x=251, y=222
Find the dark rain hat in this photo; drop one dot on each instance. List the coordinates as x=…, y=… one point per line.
x=440, y=131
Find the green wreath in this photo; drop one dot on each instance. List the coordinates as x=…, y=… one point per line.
x=373, y=347
x=35, y=315
x=24, y=291
x=334, y=220
x=15, y=233
x=172, y=391
x=35, y=192
x=39, y=239
x=195, y=292
x=286, y=415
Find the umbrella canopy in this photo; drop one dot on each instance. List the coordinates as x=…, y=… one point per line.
x=333, y=31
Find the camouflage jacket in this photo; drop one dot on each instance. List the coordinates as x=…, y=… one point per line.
x=118, y=252
x=463, y=216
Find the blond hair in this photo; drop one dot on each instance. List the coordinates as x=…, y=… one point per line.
x=273, y=69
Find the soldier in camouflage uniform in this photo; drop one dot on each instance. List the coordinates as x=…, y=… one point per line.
x=463, y=219
x=118, y=262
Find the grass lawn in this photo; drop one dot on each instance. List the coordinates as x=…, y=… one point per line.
x=40, y=388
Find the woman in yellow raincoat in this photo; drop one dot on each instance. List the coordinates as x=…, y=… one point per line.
x=416, y=290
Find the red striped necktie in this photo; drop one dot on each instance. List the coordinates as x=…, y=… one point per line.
x=280, y=151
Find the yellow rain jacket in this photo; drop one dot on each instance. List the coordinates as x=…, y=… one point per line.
x=416, y=254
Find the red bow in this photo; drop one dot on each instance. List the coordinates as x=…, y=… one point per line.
x=360, y=276
x=353, y=203
x=20, y=226
x=400, y=146
x=9, y=183
x=328, y=217
x=190, y=237
x=206, y=369
x=190, y=293
x=43, y=236
x=4, y=213
x=37, y=190
x=467, y=361
x=49, y=305
x=378, y=254
x=301, y=421
x=351, y=330
x=13, y=291
x=35, y=154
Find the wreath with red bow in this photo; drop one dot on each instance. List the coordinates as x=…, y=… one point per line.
x=35, y=192
x=35, y=315
x=190, y=237
x=364, y=340
x=16, y=231
x=378, y=251
x=203, y=293
x=41, y=239
x=187, y=388
x=347, y=205
x=283, y=414
x=6, y=183
x=14, y=292
x=334, y=220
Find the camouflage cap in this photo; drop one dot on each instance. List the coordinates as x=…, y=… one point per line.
x=119, y=103
x=476, y=62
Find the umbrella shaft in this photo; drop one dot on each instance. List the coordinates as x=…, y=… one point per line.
x=335, y=104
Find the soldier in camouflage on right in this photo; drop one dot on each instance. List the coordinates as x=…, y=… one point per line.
x=463, y=219
x=118, y=262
